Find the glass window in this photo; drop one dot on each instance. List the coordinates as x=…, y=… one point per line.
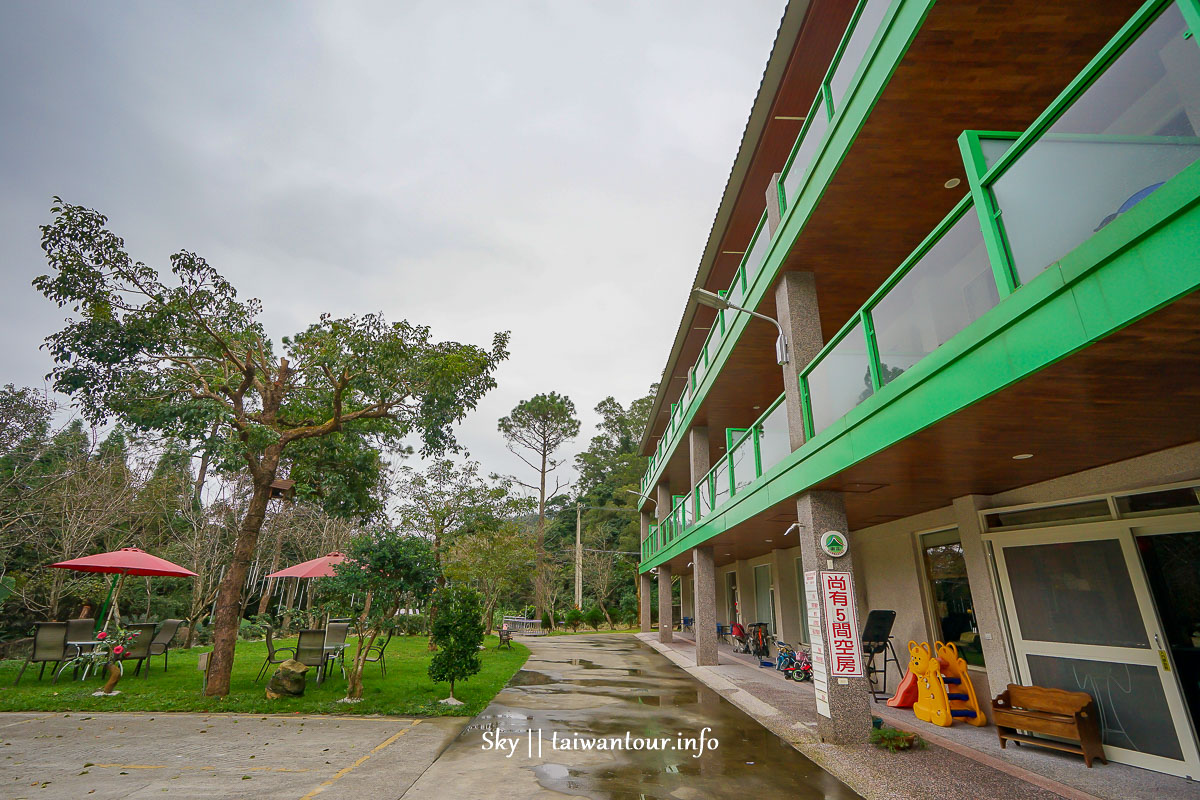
x=1167, y=501
x=764, y=597
x=864, y=31
x=1082, y=511
x=953, y=611
x=743, y=463
x=774, y=441
x=805, y=152
x=803, y=596
x=736, y=294
x=1128, y=133
x=841, y=380
x=950, y=287
x=1075, y=592
x=1133, y=709
x=731, y=597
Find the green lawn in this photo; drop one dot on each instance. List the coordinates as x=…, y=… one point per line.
x=406, y=691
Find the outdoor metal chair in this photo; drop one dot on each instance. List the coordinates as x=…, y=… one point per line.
x=49, y=645
x=310, y=650
x=335, y=643
x=876, y=639
x=139, y=647
x=375, y=653
x=160, y=645
x=274, y=654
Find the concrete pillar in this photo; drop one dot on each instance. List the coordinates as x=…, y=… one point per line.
x=704, y=590
x=774, y=212
x=666, y=622
x=983, y=592
x=849, y=705
x=645, y=593
x=796, y=305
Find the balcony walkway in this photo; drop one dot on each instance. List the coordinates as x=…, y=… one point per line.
x=961, y=761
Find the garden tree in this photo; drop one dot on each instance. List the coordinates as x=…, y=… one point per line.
x=458, y=634
x=383, y=573
x=24, y=415
x=540, y=426
x=574, y=619
x=593, y=617
x=599, y=574
x=497, y=563
x=183, y=356
x=447, y=501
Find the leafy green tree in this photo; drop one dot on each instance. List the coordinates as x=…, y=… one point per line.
x=593, y=617
x=383, y=573
x=574, y=619
x=540, y=426
x=458, y=634
x=497, y=563
x=185, y=357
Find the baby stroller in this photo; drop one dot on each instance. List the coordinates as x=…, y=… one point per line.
x=741, y=642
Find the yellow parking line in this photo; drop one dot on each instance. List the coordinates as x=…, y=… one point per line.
x=346, y=770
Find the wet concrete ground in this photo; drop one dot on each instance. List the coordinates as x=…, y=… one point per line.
x=614, y=689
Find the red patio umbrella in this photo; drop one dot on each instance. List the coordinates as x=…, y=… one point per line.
x=126, y=561
x=317, y=568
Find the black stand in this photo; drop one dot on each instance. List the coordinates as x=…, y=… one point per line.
x=872, y=649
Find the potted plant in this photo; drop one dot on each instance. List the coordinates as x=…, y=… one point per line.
x=106, y=655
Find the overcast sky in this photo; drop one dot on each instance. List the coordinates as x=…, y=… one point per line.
x=549, y=168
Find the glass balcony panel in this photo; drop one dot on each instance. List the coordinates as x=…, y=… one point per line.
x=721, y=482
x=737, y=295
x=1128, y=133
x=743, y=463
x=950, y=287
x=841, y=380
x=714, y=339
x=993, y=149
x=758, y=253
x=774, y=442
x=864, y=31
x=805, y=152
x=704, y=499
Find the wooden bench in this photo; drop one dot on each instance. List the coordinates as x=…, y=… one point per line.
x=505, y=639
x=1051, y=712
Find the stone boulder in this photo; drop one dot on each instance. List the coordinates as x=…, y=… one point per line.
x=288, y=680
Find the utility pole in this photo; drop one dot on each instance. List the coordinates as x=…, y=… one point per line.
x=579, y=555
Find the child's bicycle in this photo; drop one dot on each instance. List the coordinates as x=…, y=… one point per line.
x=794, y=665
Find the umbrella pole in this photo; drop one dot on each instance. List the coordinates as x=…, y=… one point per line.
x=106, y=607
x=116, y=594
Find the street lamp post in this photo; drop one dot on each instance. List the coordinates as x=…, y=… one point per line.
x=713, y=300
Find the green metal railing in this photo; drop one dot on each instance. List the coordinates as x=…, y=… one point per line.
x=972, y=260
x=839, y=79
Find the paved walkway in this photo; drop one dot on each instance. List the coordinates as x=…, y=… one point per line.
x=962, y=761
x=215, y=756
x=613, y=689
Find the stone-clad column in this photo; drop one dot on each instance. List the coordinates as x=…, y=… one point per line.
x=850, y=715
x=704, y=593
x=662, y=501
x=796, y=304
x=666, y=623
x=698, y=459
x=849, y=720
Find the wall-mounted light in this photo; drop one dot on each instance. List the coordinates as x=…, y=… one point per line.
x=713, y=300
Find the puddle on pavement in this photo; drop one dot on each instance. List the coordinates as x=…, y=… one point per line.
x=655, y=699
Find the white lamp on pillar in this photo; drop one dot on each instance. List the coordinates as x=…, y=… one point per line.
x=713, y=300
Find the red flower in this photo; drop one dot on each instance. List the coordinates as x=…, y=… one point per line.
x=118, y=650
x=101, y=635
